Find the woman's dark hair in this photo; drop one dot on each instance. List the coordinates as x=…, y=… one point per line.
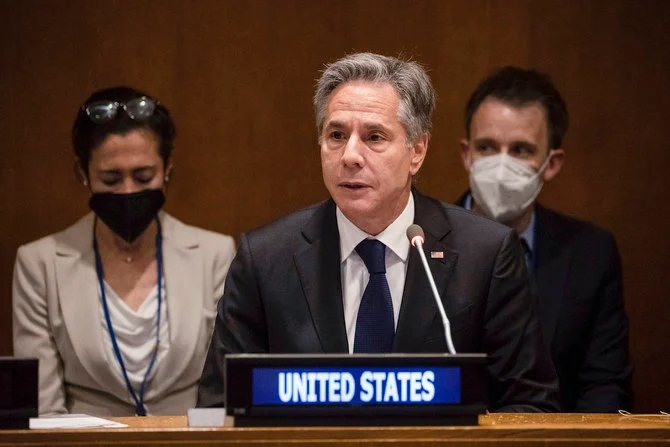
x=87, y=135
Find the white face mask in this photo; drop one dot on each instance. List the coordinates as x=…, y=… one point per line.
x=503, y=186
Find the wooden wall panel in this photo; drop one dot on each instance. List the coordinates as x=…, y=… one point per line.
x=238, y=78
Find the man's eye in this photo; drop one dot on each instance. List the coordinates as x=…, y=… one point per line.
x=337, y=135
x=375, y=137
x=522, y=151
x=484, y=148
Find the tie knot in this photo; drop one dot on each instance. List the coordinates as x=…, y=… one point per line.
x=372, y=253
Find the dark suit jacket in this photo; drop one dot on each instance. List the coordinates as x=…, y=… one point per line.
x=582, y=313
x=283, y=295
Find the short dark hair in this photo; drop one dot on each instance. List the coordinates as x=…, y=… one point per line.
x=87, y=135
x=520, y=87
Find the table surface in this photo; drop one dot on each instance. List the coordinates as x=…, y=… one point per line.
x=493, y=429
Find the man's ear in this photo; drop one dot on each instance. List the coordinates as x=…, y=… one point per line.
x=466, y=157
x=554, y=166
x=419, y=150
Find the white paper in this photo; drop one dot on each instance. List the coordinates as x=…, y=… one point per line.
x=209, y=417
x=73, y=421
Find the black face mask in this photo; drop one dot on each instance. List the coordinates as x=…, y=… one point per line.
x=128, y=215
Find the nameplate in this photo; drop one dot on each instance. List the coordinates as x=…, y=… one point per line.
x=342, y=389
x=362, y=386
x=18, y=396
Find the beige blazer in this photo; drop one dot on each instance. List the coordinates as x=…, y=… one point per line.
x=57, y=318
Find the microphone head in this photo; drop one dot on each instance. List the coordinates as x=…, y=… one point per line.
x=414, y=234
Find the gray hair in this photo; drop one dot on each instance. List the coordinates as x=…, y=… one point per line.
x=410, y=80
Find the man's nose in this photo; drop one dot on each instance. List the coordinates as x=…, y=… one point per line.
x=353, y=152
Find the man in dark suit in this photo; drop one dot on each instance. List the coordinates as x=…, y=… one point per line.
x=339, y=276
x=515, y=122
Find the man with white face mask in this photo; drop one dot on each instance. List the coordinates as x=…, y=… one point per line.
x=515, y=122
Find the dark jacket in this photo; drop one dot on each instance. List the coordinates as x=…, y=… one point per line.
x=283, y=295
x=582, y=312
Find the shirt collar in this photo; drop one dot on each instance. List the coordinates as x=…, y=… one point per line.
x=394, y=236
x=528, y=234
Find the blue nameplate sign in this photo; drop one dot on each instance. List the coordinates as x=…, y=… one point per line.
x=343, y=389
x=308, y=386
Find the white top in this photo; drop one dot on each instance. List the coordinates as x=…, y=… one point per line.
x=135, y=335
x=355, y=275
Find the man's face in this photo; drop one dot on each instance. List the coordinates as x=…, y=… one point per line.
x=366, y=162
x=518, y=131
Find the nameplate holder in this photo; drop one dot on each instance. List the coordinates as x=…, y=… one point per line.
x=361, y=390
x=18, y=392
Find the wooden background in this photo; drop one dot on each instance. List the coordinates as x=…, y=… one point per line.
x=238, y=77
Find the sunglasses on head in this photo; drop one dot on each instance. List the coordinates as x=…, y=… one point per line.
x=101, y=112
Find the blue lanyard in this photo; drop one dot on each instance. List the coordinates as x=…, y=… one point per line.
x=139, y=401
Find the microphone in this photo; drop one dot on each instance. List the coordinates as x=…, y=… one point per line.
x=416, y=238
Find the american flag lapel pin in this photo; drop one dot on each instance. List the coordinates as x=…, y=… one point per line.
x=436, y=255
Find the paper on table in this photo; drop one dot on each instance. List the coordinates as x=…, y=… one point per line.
x=209, y=417
x=73, y=421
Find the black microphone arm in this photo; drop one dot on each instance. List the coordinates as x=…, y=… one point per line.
x=416, y=238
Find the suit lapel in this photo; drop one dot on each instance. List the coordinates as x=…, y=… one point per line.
x=553, y=269
x=183, y=273
x=79, y=298
x=318, y=266
x=418, y=308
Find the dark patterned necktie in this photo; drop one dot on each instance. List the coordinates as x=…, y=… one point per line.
x=374, y=325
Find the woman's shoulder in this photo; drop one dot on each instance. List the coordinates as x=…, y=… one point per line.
x=71, y=239
x=189, y=235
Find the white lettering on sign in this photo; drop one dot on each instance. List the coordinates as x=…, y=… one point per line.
x=348, y=387
x=373, y=386
x=403, y=377
x=428, y=384
x=367, y=389
x=391, y=389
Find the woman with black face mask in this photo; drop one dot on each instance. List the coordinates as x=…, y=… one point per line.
x=119, y=308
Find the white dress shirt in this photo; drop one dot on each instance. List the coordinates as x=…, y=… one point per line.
x=355, y=275
x=135, y=333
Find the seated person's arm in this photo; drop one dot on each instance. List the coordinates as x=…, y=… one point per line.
x=243, y=330
x=32, y=329
x=605, y=378
x=522, y=375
